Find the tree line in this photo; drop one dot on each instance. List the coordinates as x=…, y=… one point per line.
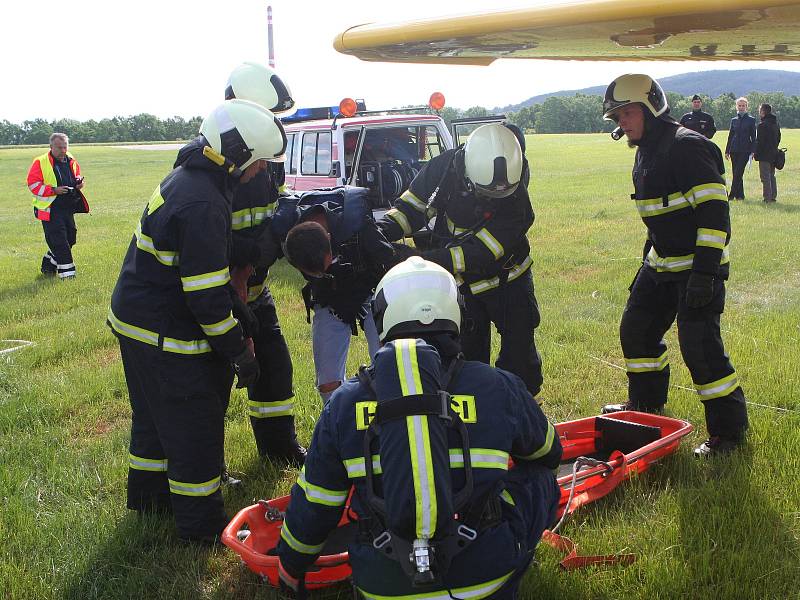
x=580, y=113
x=137, y=128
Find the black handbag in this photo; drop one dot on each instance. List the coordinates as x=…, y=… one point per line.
x=780, y=158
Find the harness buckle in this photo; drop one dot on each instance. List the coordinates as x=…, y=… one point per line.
x=467, y=532
x=380, y=541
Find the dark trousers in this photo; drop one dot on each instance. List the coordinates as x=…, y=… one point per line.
x=177, y=435
x=515, y=313
x=270, y=403
x=60, y=234
x=766, y=170
x=652, y=307
x=739, y=162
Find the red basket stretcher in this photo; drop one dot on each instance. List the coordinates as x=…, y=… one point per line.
x=616, y=447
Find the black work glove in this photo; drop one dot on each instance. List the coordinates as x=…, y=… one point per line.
x=291, y=585
x=246, y=367
x=402, y=252
x=269, y=247
x=340, y=269
x=699, y=289
x=245, y=315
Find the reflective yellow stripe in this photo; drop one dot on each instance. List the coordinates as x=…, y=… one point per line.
x=355, y=466
x=254, y=291
x=718, y=388
x=713, y=238
x=645, y=365
x=480, y=458
x=251, y=217
x=409, y=197
x=472, y=592
x=418, y=440
x=676, y=264
x=221, y=327
x=399, y=218
x=204, y=281
x=156, y=201
x=320, y=495
x=495, y=247
x=186, y=346
x=651, y=207
x=451, y=227
x=707, y=191
x=194, y=489
x=457, y=256
x=546, y=447
x=40, y=201
x=132, y=331
x=266, y=410
x=489, y=284
x=145, y=242
x=507, y=498
x=296, y=544
x=147, y=464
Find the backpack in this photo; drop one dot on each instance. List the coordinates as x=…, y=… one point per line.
x=780, y=158
x=413, y=518
x=350, y=201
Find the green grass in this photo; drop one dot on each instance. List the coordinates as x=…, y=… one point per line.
x=699, y=529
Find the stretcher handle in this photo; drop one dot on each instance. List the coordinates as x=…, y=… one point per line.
x=232, y=541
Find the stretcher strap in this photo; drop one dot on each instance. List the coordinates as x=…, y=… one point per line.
x=573, y=561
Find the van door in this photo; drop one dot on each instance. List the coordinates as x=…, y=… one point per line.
x=464, y=126
x=290, y=166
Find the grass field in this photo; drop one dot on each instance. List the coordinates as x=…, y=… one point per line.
x=699, y=529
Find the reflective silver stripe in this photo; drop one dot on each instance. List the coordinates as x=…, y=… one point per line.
x=186, y=346
x=488, y=284
x=495, y=247
x=194, y=489
x=131, y=331
x=655, y=206
x=220, y=328
x=355, y=466
x=34, y=185
x=205, y=280
x=319, y=494
x=398, y=217
x=408, y=196
x=67, y=266
x=718, y=388
x=481, y=458
x=145, y=242
x=713, y=238
x=642, y=365
x=457, y=255
x=296, y=544
x=147, y=464
x=270, y=409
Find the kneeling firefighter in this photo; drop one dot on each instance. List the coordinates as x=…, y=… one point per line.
x=425, y=437
x=171, y=311
x=270, y=399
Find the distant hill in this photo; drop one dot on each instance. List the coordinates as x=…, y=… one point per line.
x=711, y=83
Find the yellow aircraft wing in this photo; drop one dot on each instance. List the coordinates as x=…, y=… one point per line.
x=590, y=30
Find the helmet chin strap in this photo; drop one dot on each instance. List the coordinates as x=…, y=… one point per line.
x=223, y=162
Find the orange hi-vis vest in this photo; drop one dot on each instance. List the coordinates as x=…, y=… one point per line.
x=42, y=183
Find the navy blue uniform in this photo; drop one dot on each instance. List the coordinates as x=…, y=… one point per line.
x=680, y=195
x=484, y=244
x=502, y=421
x=270, y=405
x=172, y=312
x=701, y=122
x=741, y=144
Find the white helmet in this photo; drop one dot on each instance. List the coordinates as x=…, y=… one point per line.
x=493, y=161
x=244, y=132
x=414, y=298
x=631, y=88
x=259, y=84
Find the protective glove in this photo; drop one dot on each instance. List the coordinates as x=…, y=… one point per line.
x=294, y=587
x=269, y=247
x=239, y=277
x=699, y=289
x=402, y=252
x=245, y=315
x=246, y=367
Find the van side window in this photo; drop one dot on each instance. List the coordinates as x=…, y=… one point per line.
x=316, y=154
x=290, y=164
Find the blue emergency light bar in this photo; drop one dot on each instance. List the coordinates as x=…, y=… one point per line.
x=320, y=112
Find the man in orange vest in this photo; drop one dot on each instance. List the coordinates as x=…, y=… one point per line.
x=56, y=182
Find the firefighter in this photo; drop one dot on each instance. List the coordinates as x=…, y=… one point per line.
x=479, y=196
x=56, y=183
x=341, y=253
x=680, y=195
x=699, y=121
x=171, y=311
x=485, y=414
x=270, y=399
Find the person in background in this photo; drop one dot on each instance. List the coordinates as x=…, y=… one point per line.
x=699, y=121
x=768, y=136
x=56, y=183
x=740, y=147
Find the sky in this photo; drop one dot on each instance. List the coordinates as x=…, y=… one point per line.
x=85, y=59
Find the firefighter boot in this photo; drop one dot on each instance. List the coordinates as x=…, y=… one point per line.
x=718, y=445
x=291, y=453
